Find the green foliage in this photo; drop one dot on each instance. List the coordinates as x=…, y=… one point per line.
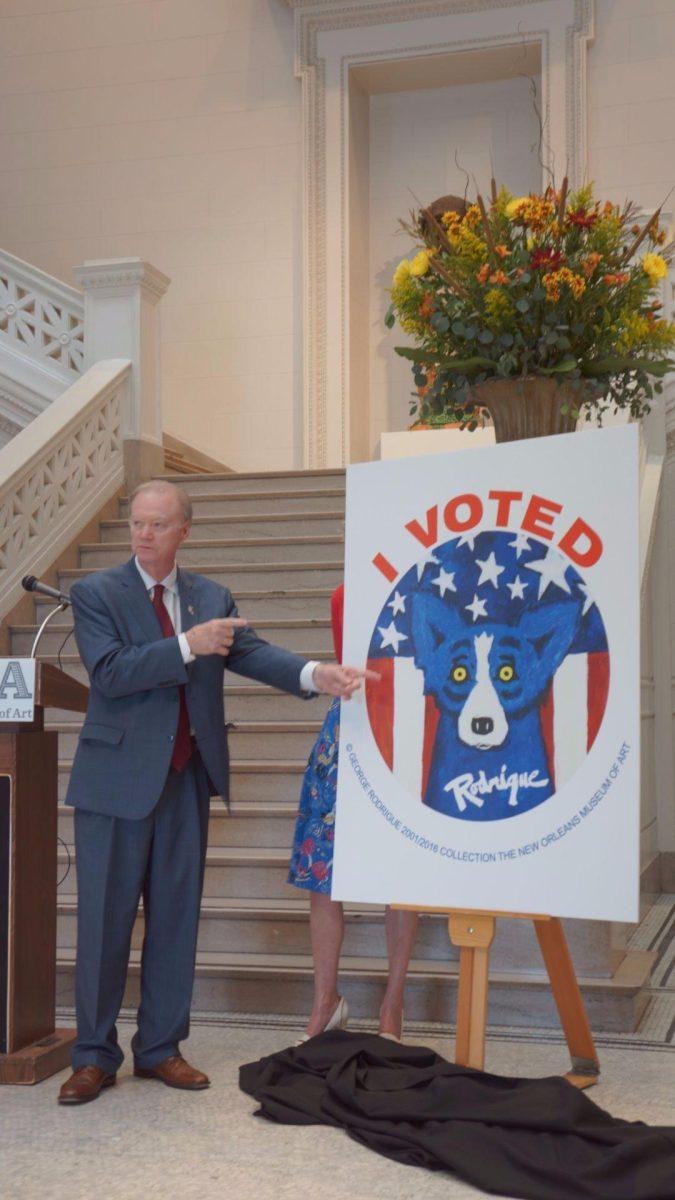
x=520, y=292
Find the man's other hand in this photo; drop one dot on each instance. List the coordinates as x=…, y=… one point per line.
x=214, y=637
x=333, y=680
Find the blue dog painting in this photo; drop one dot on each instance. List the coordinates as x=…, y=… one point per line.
x=494, y=675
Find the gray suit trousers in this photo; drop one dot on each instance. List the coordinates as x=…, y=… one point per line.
x=161, y=858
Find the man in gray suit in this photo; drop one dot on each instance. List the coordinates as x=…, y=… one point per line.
x=153, y=748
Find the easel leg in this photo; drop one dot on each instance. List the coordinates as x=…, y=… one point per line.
x=569, y=1002
x=473, y=934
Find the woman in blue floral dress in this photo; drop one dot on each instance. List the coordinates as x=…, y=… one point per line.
x=311, y=869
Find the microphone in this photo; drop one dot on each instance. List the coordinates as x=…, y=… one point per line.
x=31, y=584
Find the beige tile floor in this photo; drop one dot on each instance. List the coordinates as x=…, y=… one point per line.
x=142, y=1141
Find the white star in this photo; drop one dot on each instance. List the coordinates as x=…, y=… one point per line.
x=468, y=539
x=520, y=544
x=552, y=570
x=589, y=601
x=397, y=605
x=391, y=637
x=444, y=582
x=426, y=562
x=477, y=608
x=490, y=570
x=517, y=588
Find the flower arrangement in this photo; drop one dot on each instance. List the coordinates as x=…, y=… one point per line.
x=548, y=285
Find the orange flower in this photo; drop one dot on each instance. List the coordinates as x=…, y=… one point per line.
x=427, y=306
x=607, y=208
x=616, y=278
x=590, y=263
x=499, y=277
x=424, y=388
x=552, y=282
x=502, y=250
x=483, y=275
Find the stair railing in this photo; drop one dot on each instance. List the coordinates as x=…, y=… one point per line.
x=59, y=471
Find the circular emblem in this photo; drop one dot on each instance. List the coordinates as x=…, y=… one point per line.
x=494, y=671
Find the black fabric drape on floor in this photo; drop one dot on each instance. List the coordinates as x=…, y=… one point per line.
x=539, y=1139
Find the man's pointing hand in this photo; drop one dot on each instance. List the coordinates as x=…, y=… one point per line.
x=214, y=637
x=334, y=680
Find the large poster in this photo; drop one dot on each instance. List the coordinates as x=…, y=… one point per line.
x=495, y=764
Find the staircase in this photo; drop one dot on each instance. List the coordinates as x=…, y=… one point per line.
x=277, y=540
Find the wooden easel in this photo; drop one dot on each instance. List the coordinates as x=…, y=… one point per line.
x=473, y=932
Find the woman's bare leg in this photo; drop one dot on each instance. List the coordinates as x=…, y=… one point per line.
x=401, y=928
x=327, y=927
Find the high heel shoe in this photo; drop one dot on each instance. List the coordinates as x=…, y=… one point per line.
x=337, y=1020
x=392, y=1036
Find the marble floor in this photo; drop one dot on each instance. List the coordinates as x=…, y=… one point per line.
x=143, y=1141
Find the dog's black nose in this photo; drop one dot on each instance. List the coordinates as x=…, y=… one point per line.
x=482, y=725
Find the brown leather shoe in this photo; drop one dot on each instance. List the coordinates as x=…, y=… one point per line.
x=85, y=1084
x=175, y=1072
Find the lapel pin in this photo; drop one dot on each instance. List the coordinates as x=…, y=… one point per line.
x=191, y=610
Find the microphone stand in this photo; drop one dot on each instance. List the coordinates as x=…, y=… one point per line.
x=59, y=609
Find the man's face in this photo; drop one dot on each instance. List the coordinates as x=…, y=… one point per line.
x=157, y=529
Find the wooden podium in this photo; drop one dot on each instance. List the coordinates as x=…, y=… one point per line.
x=31, y=1048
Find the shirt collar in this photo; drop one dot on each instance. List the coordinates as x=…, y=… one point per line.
x=169, y=584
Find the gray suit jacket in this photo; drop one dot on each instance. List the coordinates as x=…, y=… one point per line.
x=125, y=747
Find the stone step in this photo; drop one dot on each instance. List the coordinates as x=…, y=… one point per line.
x=240, y=982
x=216, y=551
x=248, y=702
x=271, y=576
x=260, y=779
x=262, y=481
x=248, y=740
x=252, y=823
x=291, y=633
x=251, y=503
x=260, y=873
x=281, y=925
x=308, y=604
x=233, y=872
x=265, y=524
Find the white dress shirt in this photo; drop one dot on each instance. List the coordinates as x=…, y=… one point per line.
x=172, y=604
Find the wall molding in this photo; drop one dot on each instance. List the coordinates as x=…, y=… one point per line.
x=330, y=39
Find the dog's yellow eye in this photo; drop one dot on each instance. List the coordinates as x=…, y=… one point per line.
x=506, y=673
x=460, y=674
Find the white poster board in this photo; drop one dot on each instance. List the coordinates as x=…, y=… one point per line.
x=495, y=765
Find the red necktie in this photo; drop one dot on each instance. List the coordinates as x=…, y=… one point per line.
x=182, y=748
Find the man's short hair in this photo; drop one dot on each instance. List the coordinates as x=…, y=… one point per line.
x=163, y=485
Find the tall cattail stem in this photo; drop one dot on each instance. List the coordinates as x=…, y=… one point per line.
x=561, y=204
x=651, y=223
x=441, y=235
x=486, y=227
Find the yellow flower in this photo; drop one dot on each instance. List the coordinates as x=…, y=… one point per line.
x=512, y=207
x=401, y=273
x=655, y=267
x=498, y=309
x=553, y=280
x=470, y=247
x=420, y=263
